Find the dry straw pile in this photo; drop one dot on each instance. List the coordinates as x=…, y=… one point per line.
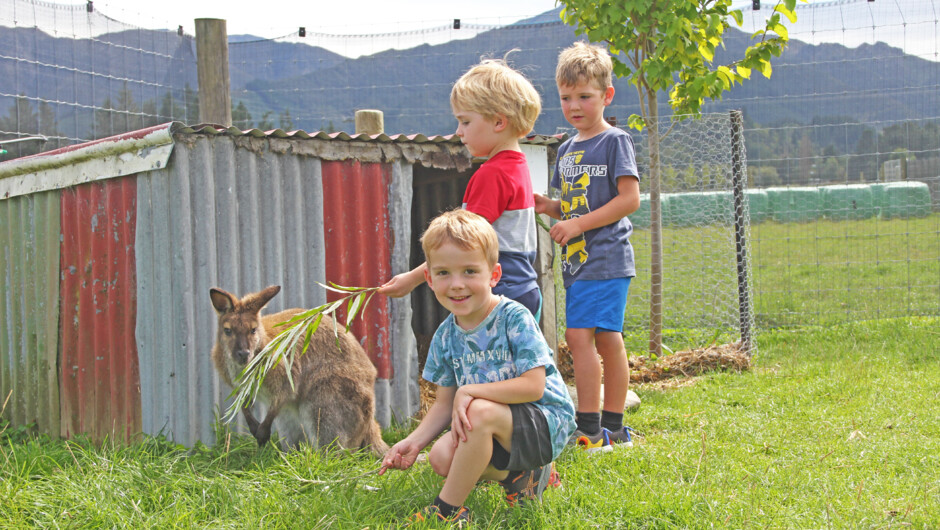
x=717, y=357
x=683, y=364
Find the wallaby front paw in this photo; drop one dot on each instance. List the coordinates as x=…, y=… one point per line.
x=262, y=436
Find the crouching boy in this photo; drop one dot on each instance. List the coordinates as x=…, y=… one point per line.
x=499, y=391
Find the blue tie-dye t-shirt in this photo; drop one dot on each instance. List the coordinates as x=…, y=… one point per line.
x=505, y=345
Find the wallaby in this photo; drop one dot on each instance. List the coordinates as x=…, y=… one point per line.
x=333, y=398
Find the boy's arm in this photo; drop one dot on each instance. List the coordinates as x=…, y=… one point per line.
x=525, y=388
x=404, y=283
x=626, y=202
x=403, y=454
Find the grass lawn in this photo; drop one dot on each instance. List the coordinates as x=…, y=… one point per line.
x=832, y=428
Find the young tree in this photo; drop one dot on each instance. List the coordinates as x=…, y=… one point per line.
x=265, y=124
x=285, y=121
x=21, y=121
x=241, y=118
x=170, y=109
x=669, y=47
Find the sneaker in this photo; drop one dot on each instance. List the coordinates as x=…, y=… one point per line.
x=460, y=518
x=529, y=485
x=592, y=443
x=621, y=438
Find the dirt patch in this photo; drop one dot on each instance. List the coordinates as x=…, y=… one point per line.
x=669, y=372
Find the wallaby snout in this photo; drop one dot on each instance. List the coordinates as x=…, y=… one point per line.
x=241, y=356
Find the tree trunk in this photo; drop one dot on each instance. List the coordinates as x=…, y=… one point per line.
x=656, y=229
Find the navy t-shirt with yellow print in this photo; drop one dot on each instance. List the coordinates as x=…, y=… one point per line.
x=586, y=173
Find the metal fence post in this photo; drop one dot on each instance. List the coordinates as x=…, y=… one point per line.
x=739, y=182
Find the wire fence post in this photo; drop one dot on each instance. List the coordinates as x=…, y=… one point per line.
x=738, y=184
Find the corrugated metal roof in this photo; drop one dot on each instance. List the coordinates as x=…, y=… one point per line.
x=116, y=156
x=534, y=139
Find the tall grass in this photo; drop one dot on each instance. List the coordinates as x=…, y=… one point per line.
x=832, y=428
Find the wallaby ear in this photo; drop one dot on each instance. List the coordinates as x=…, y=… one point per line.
x=222, y=301
x=256, y=301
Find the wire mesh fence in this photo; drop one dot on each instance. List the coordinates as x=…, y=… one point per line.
x=701, y=288
x=843, y=141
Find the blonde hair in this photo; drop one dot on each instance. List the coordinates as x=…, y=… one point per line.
x=583, y=63
x=493, y=87
x=466, y=230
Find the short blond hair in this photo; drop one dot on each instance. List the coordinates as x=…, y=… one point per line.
x=493, y=87
x=466, y=230
x=583, y=63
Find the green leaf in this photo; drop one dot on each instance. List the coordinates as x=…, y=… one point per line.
x=354, y=304
x=635, y=121
x=764, y=67
x=707, y=52
x=787, y=12
x=541, y=222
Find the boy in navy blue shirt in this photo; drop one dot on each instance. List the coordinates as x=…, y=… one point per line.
x=597, y=175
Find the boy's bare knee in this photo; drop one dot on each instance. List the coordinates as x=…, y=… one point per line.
x=484, y=413
x=440, y=459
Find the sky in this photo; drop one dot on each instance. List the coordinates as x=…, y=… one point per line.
x=377, y=25
x=276, y=18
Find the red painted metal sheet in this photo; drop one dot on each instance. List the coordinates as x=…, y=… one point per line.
x=100, y=386
x=358, y=237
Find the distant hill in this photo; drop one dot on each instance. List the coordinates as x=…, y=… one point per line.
x=322, y=90
x=810, y=84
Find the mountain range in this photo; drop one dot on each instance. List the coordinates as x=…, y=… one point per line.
x=321, y=90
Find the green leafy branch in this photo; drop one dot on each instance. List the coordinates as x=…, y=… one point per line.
x=283, y=347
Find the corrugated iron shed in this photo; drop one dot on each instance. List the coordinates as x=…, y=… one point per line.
x=114, y=245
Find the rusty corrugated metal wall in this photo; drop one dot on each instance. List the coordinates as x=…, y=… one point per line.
x=29, y=310
x=100, y=395
x=355, y=208
x=219, y=216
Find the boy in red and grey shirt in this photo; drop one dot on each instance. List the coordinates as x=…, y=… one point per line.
x=495, y=106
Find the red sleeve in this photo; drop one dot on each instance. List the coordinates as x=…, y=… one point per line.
x=487, y=194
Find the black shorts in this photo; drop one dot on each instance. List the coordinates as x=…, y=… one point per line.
x=531, y=443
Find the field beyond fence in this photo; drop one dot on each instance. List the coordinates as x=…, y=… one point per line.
x=811, y=273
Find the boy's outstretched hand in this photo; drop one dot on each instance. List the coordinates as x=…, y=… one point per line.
x=397, y=287
x=544, y=205
x=401, y=456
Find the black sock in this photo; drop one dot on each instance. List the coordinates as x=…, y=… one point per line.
x=589, y=422
x=611, y=421
x=446, y=509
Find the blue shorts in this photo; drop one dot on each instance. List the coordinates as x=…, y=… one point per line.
x=597, y=304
